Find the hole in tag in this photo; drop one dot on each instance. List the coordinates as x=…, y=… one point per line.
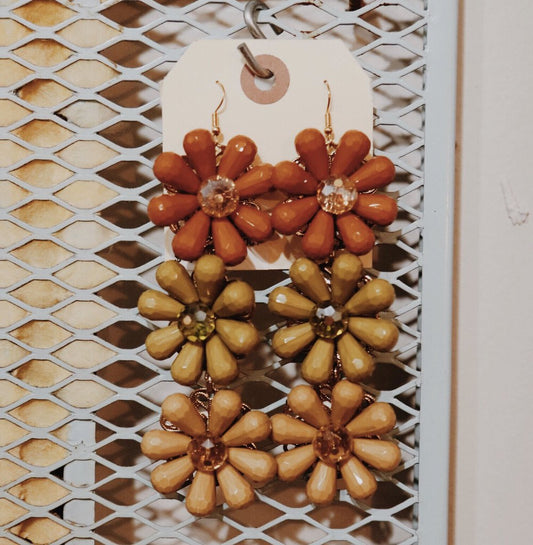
x=265, y=84
x=266, y=91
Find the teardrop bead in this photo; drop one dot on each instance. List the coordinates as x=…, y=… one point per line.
x=256, y=181
x=239, y=337
x=229, y=245
x=375, y=173
x=236, y=299
x=290, y=304
x=378, y=333
x=162, y=444
x=383, y=455
x=210, y=276
x=168, y=477
x=287, y=430
x=311, y=147
x=172, y=170
x=189, y=242
x=225, y=407
x=288, y=341
x=163, y=342
x=180, y=411
x=254, y=223
x=256, y=465
x=155, y=305
x=201, y=497
x=308, y=278
x=318, y=364
x=168, y=209
x=376, y=208
x=304, y=401
x=358, y=238
x=353, y=147
x=360, y=483
x=346, y=272
x=294, y=462
x=373, y=297
x=291, y=216
x=199, y=146
x=376, y=419
x=346, y=398
x=220, y=362
x=174, y=278
x=187, y=367
x=357, y=363
x=322, y=484
x=237, y=491
x=319, y=237
x=253, y=427
x=237, y=157
x=293, y=179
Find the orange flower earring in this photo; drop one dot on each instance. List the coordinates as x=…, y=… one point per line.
x=331, y=191
x=210, y=192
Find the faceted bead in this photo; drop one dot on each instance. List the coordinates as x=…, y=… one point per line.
x=207, y=452
x=329, y=321
x=218, y=196
x=196, y=322
x=332, y=445
x=337, y=194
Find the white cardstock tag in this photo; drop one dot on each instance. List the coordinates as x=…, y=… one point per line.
x=271, y=115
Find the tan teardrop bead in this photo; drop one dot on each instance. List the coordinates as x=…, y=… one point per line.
x=287, y=430
x=163, y=342
x=383, y=455
x=308, y=278
x=304, y=401
x=288, y=341
x=373, y=297
x=318, y=364
x=294, y=462
x=187, y=367
x=237, y=491
x=221, y=364
x=378, y=333
x=376, y=419
x=360, y=483
x=357, y=363
x=225, y=407
x=257, y=465
x=322, y=484
x=290, y=304
x=155, y=305
x=174, y=278
x=236, y=299
x=239, y=154
x=346, y=397
x=162, y=444
x=239, y=337
x=168, y=477
x=199, y=146
x=209, y=275
x=252, y=427
x=346, y=271
x=179, y=410
x=201, y=497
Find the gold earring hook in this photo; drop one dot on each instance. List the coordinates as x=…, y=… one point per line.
x=214, y=118
x=328, y=130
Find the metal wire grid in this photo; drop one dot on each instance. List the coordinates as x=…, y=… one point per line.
x=81, y=126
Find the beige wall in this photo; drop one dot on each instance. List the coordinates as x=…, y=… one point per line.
x=492, y=435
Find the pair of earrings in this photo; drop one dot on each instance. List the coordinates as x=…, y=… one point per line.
x=211, y=192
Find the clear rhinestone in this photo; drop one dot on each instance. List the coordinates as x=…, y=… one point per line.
x=196, y=322
x=337, y=195
x=332, y=445
x=207, y=453
x=329, y=321
x=218, y=196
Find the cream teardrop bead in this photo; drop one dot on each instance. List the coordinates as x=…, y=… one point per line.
x=373, y=297
x=174, y=278
x=221, y=364
x=318, y=364
x=304, y=401
x=236, y=299
x=322, y=484
x=209, y=275
x=288, y=341
x=155, y=305
x=290, y=304
x=237, y=491
x=162, y=445
x=225, y=407
x=254, y=426
x=201, y=497
x=346, y=271
x=383, y=455
x=360, y=483
x=187, y=367
x=287, y=430
x=376, y=419
x=294, y=462
x=378, y=333
x=180, y=411
x=239, y=337
x=308, y=278
x=257, y=465
x=356, y=362
x=168, y=477
x=346, y=398
x=163, y=342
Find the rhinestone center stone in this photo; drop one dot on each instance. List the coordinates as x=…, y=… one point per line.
x=329, y=321
x=218, y=196
x=196, y=322
x=207, y=453
x=337, y=194
x=332, y=445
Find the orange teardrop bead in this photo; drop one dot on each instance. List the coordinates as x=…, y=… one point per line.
x=169, y=209
x=379, y=209
x=352, y=149
x=293, y=179
x=237, y=157
x=374, y=174
x=171, y=169
x=355, y=233
x=229, y=245
x=311, y=147
x=289, y=217
x=200, y=149
x=254, y=223
x=319, y=238
x=189, y=241
x=255, y=182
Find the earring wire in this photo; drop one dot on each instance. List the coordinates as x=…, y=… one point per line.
x=328, y=130
x=215, y=127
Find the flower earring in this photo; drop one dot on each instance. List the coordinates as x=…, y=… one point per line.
x=331, y=191
x=210, y=192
